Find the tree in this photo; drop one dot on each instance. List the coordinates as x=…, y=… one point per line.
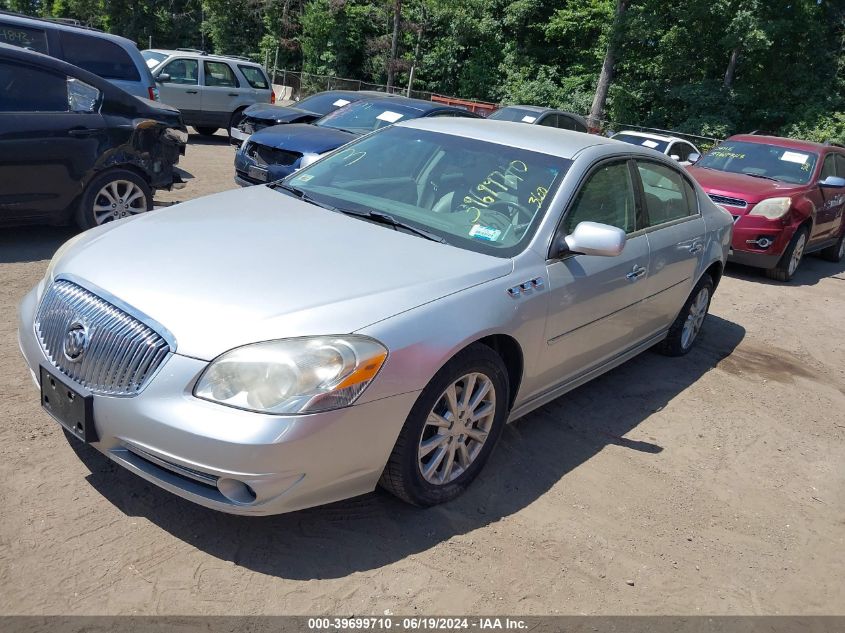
x=607, y=67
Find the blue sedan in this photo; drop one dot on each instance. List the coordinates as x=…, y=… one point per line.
x=275, y=152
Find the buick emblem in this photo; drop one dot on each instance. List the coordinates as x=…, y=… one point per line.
x=76, y=341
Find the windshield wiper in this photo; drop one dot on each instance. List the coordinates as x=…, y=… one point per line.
x=299, y=193
x=762, y=176
x=389, y=220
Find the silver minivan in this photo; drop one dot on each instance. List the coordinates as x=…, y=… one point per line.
x=114, y=58
x=211, y=91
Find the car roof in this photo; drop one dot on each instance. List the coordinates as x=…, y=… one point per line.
x=203, y=55
x=792, y=143
x=656, y=137
x=41, y=23
x=546, y=140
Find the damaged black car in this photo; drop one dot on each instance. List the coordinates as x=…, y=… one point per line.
x=76, y=148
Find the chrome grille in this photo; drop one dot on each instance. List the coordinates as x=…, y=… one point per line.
x=122, y=353
x=733, y=202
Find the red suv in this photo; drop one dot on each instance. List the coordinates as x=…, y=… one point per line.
x=787, y=198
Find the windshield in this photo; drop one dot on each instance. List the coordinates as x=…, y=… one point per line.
x=366, y=116
x=642, y=141
x=515, y=114
x=474, y=194
x=153, y=59
x=325, y=102
x=762, y=160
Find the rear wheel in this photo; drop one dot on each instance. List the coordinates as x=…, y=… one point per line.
x=451, y=430
x=684, y=331
x=836, y=252
x=788, y=264
x=113, y=195
x=206, y=131
x=237, y=117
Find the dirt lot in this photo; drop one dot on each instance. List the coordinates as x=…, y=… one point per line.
x=713, y=484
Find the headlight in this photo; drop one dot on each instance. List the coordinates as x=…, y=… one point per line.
x=302, y=375
x=772, y=208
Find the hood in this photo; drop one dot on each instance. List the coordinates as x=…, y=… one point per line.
x=748, y=188
x=279, y=114
x=302, y=138
x=255, y=264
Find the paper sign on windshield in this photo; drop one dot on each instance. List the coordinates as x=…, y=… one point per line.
x=794, y=157
x=529, y=119
x=650, y=144
x=390, y=117
x=341, y=102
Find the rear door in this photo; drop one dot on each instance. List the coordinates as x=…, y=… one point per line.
x=676, y=236
x=829, y=211
x=221, y=93
x=46, y=149
x=594, y=302
x=178, y=84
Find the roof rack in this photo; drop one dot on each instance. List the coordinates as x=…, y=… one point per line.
x=241, y=57
x=193, y=50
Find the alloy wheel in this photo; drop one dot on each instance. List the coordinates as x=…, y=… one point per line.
x=457, y=428
x=797, y=252
x=695, y=317
x=118, y=199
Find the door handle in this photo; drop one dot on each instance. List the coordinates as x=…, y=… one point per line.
x=233, y=94
x=636, y=273
x=191, y=92
x=82, y=131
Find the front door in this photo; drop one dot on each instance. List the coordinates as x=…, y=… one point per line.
x=829, y=200
x=180, y=88
x=594, y=312
x=46, y=149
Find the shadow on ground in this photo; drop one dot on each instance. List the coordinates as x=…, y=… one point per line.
x=811, y=271
x=32, y=243
x=534, y=454
x=219, y=138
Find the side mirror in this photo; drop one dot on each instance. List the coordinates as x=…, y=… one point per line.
x=162, y=78
x=693, y=158
x=832, y=181
x=592, y=238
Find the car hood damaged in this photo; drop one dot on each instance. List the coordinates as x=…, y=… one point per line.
x=302, y=138
x=279, y=114
x=261, y=265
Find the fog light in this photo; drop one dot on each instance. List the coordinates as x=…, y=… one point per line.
x=763, y=241
x=236, y=491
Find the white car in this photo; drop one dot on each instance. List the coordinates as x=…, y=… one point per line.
x=211, y=91
x=672, y=146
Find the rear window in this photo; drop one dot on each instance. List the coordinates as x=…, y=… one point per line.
x=31, y=39
x=255, y=77
x=99, y=56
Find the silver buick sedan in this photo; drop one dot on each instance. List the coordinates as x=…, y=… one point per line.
x=376, y=318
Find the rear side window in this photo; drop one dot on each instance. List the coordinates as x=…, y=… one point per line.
x=666, y=193
x=255, y=77
x=27, y=89
x=31, y=39
x=568, y=123
x=99, y=56
x=219, y=74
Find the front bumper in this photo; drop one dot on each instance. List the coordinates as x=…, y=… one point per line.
x=243, y=163
x=759, y=242
x=210, y=454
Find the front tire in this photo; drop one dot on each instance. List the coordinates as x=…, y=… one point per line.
x=451, y=429
x=788, y=264
x=684, y=331
x=113, y=195
x=206, y=131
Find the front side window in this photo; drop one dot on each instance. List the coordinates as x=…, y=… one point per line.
x=476, y=195
x=255, y=77
x=828, y=167
x=840, y=165
x=608, y=198
x=568, y=123
x=682, y=151
x=761, y=160
x=665, y=192
x=99, y=56
x=219, y=74
x=550, y=120
x=181, y=71
x=24, y=37
x=27, y=89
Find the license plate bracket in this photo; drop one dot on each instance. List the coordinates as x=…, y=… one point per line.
x=69, y=405
x=257, y=173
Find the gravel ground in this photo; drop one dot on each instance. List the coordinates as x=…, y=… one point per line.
x=714, y=483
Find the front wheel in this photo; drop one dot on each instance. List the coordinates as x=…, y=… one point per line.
x=206, y=131
x=684, y=331
x=113, y=195
x=451, y=430
x=788, y=264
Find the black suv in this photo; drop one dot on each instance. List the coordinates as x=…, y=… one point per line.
x=76, y=147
